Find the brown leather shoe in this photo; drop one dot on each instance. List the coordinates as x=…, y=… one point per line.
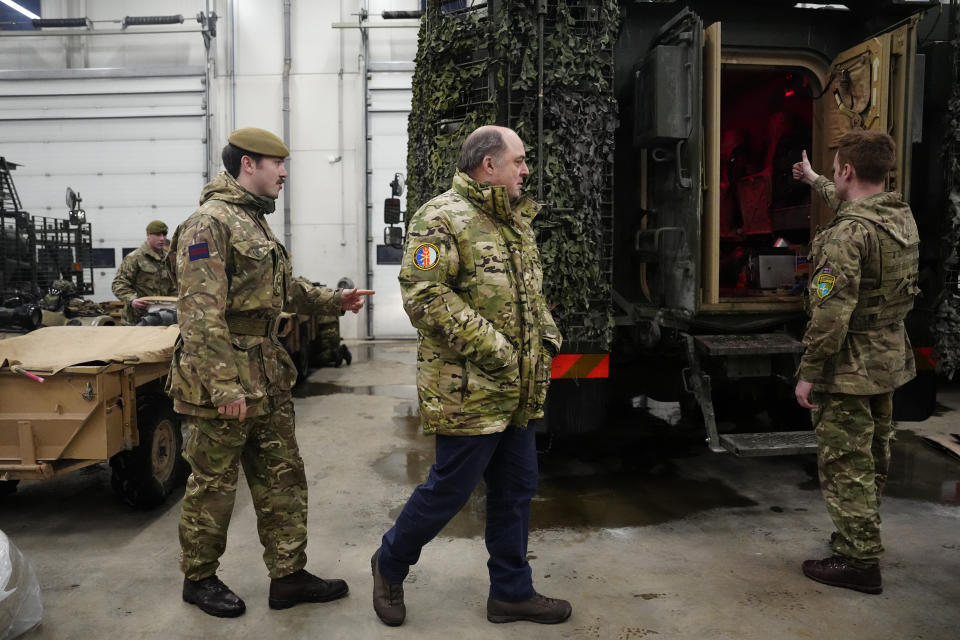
x=838, y=571
x=302, y=586
x=387, y=597
x=537, y=609
x=213, y=597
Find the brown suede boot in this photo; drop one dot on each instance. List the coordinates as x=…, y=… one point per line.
x=539, y=609
x=387, y=597
x=838, y=571
x=303, y=586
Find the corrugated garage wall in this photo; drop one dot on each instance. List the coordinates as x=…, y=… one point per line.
x=131, y=142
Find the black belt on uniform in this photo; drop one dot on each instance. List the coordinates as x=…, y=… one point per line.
x=244, y=326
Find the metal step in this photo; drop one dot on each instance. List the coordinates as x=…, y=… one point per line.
x=748, y=345
x=775, y=443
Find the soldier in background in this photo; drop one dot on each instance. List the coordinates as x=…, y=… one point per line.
x=471, y=283
x=231, y=378
x=863, y=282
x=144, y=272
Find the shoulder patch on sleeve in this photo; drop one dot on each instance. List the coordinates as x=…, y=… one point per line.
x=825, y=282
x=426, y=256
x=198, y=251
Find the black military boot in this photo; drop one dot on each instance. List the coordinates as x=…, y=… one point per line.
x=302, y=586
x=536, y=609
x=213, y=597
x=387, y=597
x=838, y=571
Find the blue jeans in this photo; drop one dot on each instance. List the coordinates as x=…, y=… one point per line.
x=507, y=461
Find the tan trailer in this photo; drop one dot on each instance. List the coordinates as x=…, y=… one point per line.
x=101, y=399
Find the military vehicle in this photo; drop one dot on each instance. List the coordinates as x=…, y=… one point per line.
x=661, y=136
x=98, y=406
x=68, y=402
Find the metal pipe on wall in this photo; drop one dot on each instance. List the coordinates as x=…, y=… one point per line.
x=340, y=143
x=233, y=65
x=287, y=234
x=367, y=207
x=209, y=75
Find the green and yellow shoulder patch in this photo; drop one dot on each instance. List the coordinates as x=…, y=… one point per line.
x=825, y=283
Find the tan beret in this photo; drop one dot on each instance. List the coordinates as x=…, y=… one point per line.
x=157, y=226
x=259, y=141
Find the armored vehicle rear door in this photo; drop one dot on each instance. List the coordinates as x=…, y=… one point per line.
x=871, y=87
x=668, y=102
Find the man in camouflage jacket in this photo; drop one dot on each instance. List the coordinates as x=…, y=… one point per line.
x=863, y=281
x=144, y=272
x=471, y=284
x=231, y=378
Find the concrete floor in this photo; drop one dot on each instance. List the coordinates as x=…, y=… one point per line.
x=649, y=537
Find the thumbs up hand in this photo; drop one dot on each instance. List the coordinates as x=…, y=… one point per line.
x=802, y=170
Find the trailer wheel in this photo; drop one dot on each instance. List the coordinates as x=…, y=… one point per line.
x=145, y=475
x=8, y=487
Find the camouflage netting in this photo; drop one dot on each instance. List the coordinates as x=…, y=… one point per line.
x=946, y=321
x=473, y=70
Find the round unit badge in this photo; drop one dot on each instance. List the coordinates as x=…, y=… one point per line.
x=425, y=256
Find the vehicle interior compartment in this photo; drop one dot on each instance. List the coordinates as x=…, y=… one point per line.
x=766, y=121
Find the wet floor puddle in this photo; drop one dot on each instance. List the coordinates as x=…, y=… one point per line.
x=579, y=502
x=311, y=389
x=919, y=471
x=571, y=494
x=578, y=495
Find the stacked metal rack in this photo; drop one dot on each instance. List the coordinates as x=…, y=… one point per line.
x=64, y=250
x=17, y=242
x=35, y=251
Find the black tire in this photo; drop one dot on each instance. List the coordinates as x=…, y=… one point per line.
x=8, y=487
x=144, y=476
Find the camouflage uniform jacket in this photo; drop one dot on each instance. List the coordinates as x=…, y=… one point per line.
x=845, y=262
x=143, y=272
x=471, y=284
x=234, y=279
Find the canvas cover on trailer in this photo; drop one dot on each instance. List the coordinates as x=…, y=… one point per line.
x=53, y=349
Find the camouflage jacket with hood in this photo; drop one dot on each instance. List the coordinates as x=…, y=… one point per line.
x=471, y=283
x=862, y=283
x=143, y=272
x=234, y=279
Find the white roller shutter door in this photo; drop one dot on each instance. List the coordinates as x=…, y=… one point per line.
x=132, y=143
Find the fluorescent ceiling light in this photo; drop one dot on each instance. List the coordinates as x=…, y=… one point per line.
x=13, y=5
x=820, y=5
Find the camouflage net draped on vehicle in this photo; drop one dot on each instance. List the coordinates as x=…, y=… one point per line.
x=946, y=321
x=474, y=69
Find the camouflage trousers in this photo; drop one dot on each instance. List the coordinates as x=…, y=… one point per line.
x=267, y=448
x=853, y=452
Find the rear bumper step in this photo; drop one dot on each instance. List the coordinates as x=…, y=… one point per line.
x=777, y=443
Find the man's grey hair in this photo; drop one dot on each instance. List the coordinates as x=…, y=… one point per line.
x=477, y=146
